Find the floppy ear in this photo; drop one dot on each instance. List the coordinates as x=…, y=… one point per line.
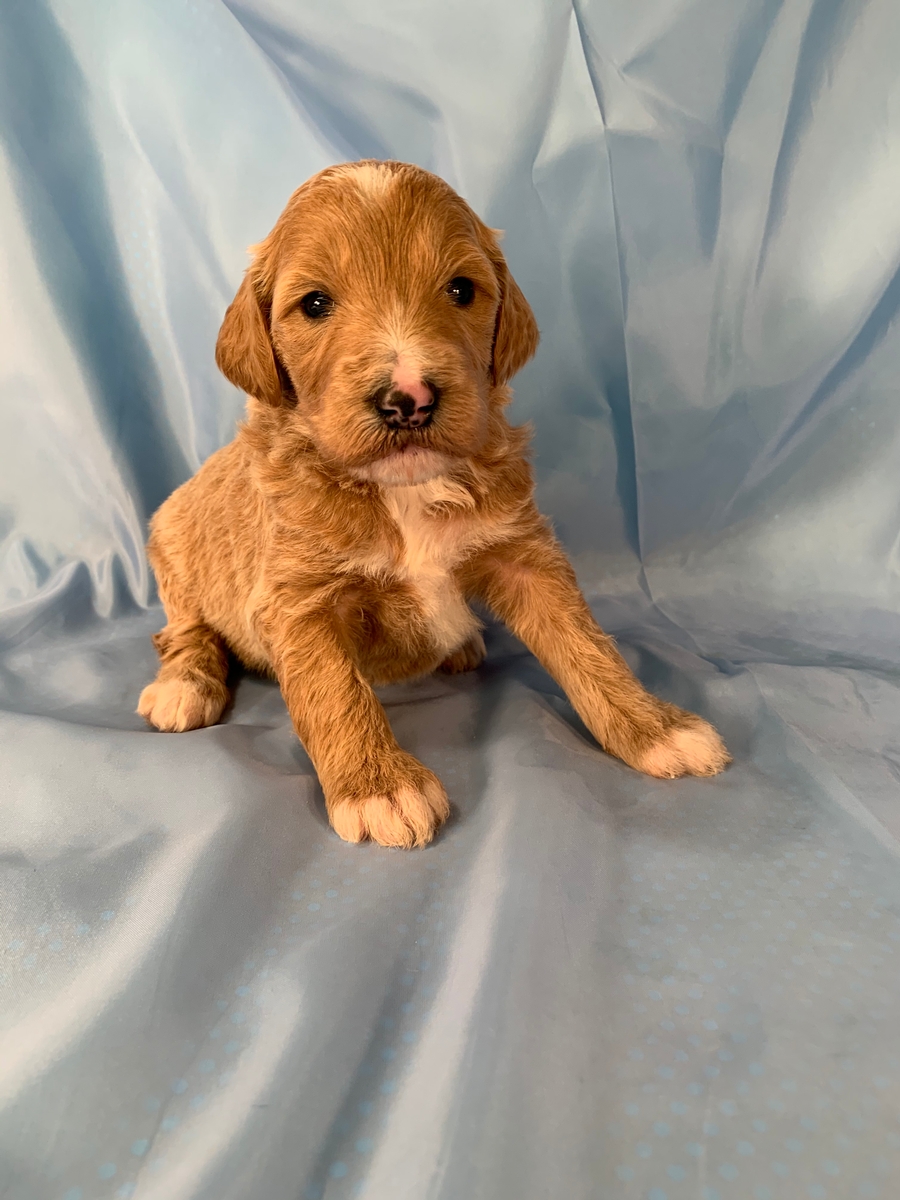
x=244, y=352
x=516, y=333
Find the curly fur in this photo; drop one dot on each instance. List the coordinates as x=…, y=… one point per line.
x=335, y=553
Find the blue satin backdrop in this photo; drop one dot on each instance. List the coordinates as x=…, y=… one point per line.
x=593, y=984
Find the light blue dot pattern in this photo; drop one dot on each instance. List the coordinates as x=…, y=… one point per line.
x=702, y=1060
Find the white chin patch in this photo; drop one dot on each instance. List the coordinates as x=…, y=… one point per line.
x=403, y=469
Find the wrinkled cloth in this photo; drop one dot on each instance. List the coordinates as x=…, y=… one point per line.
x=593, y=984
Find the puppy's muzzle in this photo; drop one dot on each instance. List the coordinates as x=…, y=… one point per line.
x=400, y=410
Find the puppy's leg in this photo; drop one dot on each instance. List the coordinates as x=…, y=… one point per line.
x=531, y=586
x=189, y=691
x=466, y=658
x=373, y=789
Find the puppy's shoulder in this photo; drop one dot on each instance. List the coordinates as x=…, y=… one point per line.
x=222, y=485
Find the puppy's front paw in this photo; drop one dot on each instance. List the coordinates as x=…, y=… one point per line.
x=690, y=746
x=176, y=705
x=406, y=810
x=466, y=658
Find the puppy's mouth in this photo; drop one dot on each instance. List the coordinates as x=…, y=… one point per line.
x=396, y=437
x=404, y=466
x=405, y=442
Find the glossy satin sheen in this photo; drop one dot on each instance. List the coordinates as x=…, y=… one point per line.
x=594, y=985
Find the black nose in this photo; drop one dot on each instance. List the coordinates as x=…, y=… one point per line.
x=400, y=411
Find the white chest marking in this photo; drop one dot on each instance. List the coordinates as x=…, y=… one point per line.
x=430, y=552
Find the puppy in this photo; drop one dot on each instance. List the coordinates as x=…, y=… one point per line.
x=375, y=489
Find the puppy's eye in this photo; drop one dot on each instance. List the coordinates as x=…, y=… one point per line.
x=461, y=291
x=317, y=305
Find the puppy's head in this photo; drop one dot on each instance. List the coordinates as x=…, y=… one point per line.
x=380, y=317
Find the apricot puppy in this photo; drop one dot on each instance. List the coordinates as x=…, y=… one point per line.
x=374, y=490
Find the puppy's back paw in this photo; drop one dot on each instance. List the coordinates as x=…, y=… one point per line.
x=176, y=705
x=466, y=658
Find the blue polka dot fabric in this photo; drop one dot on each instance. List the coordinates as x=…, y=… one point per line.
x=687, y=987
